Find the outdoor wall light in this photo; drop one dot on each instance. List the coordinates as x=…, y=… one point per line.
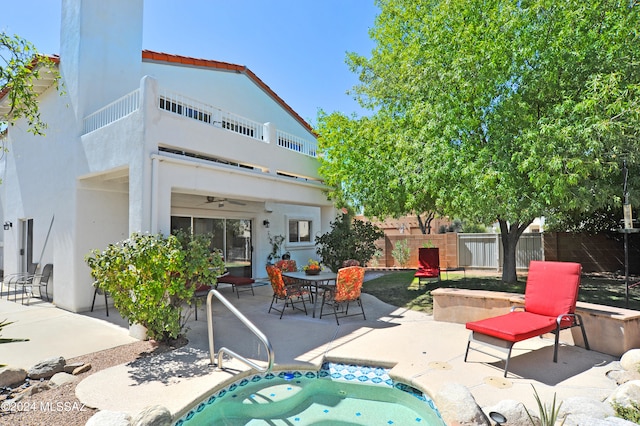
x=265, y=223
x=8, y=225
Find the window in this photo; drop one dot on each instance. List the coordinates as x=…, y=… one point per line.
x=299, y=231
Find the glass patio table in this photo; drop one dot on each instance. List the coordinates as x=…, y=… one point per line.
x=314, y=282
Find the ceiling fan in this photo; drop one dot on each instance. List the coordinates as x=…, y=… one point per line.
x=221, y=201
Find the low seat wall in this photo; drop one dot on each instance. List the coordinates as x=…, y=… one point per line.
x=610, y=330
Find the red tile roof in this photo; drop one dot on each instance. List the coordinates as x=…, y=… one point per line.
x=208, y=63
x=53, y=58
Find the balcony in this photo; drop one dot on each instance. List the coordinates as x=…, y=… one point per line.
x=176, y=103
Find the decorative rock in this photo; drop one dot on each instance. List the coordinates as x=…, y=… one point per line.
x=10, y=376
x=47, y=368
x=37, y=388
x=82, y=369
x=617, y=421
x=586, y=406
x=156, y=415
x=513, y=411
x=630, y=360
x=584, y=419
x=109, y=418
x=625, y=394
x=62, y=378
x=457, y=406
x=623, y=376
x=68, y=368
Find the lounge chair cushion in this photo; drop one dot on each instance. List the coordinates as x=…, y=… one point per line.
x=552, y=288
x=231, y=279
x=514, y=326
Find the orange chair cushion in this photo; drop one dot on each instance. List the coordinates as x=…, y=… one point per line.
x=514, y=326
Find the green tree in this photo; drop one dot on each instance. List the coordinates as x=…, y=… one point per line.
x=495, y=111
x=348, y=239
x=21, y=66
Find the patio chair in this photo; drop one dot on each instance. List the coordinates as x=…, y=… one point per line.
x=39, y=281
x=287, y=265
x=428, y=265
x=550, y=299
x=201, y=292
x=284, y=292
x=347, y=289
x=97, y=291
x=17, y=279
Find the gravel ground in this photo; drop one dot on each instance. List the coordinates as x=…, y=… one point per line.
x=59, y=406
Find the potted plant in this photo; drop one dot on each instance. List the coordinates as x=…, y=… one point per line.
x=276, y=242
x=312, y=267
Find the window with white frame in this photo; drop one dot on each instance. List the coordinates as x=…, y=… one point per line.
x=299, y=231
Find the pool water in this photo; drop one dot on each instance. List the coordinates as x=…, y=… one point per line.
x=339, y=394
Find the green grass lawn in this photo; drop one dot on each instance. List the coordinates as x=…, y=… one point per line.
x=401, y=289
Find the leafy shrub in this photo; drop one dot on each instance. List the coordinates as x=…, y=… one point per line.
x=631, y=413
x=401, y=252
x=150, y=278
x=348, y=240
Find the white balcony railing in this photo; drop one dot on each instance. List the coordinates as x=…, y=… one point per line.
x=295, y=143
x=187, y=107
x=116, y=110
x=191, y=108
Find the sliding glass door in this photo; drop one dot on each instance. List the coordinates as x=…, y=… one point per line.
x=231, y=236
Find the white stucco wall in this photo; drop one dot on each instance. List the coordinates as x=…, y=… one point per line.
x=227, y=90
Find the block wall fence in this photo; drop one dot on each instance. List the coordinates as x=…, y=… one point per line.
x=596, y=253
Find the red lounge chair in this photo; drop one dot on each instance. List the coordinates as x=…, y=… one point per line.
x=238, y=284
x=550, y=299
x=429, y=265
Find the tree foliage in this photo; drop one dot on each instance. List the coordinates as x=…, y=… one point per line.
x=492, y=110
x=348, y=239
x=20, y=67
x=151, y=277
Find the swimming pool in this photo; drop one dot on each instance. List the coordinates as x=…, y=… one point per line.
x=338, y=394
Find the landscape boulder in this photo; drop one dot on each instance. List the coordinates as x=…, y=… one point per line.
x=630, y=360
x=513, y=411
x=626, y=394
x=62, y=378
x=47, y=368
x=10, y=376
x=153, y=416
x=457, y=406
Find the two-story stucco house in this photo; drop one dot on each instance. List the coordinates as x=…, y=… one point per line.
x=141, y=141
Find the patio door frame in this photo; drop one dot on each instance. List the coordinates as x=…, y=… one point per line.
x=26, y=244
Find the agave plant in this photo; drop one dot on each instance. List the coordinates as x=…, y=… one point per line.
x=548, y=413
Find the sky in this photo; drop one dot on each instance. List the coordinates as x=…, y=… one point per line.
x=297, y=47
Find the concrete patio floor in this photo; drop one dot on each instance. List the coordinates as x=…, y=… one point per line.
x=421, y=351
